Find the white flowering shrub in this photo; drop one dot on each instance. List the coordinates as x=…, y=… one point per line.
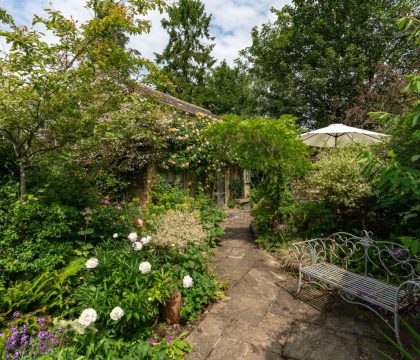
x=179, y=229
x=120, y=289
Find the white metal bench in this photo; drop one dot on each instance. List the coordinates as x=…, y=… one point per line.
x=375, y=274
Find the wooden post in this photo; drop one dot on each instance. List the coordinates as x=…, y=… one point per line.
x=247, y=184
x=227, y=186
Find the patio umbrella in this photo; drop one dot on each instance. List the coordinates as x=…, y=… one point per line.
x=340, y=135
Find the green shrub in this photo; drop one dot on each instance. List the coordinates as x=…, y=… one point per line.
x=49, y=291
x=101, y=348
x=339, y=179
x=308, y=219
x=34, y=237
x=107, y=218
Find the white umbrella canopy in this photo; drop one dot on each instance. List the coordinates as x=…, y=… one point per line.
x=337, y=135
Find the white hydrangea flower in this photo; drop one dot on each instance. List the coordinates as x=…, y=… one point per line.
x=137, y=246
x=115, y=236
x=117, y=313
x=87, y=317
x=133, y=237
x=145, y=267
x=187, y=281
x=92, y=263
x=145, y=240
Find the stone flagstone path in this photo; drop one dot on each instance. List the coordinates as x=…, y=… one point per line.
x=260, y=318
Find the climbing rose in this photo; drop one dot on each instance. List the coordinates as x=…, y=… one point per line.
x=133, y=237
x=145, y=240
x=114, y=236
x=145, y=267
x=187, y=281
x=137, y=246
x=87, y=317
x=117, y=313
x=92, y=263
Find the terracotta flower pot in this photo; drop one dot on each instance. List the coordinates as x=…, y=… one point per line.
x=171, y=309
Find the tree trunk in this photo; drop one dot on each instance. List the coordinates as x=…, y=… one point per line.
x=151, y=173
x=22, y=170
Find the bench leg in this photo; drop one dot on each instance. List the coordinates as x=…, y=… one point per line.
x=300, y=282
x=397, y=328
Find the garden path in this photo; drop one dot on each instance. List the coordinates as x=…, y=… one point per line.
x=260, y=318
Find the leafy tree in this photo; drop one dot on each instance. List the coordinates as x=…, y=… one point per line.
x=385, y=92
x=187, y=56
x=226, y=89
x=102, y=9
x=310, y=61
x=51, y=94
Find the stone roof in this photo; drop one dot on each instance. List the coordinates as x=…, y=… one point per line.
x=173, y=101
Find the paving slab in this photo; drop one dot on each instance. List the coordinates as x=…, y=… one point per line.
x=261, y=354
x=208, y=334
x=312, y=342
x=261, y=338
x=227, y=348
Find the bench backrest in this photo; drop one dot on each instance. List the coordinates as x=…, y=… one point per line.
x=390, y=261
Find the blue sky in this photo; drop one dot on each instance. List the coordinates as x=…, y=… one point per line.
x=231, y=23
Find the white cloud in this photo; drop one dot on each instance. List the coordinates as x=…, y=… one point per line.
x=232, y=22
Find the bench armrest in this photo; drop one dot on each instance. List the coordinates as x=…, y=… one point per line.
x=408, y=293
x=310, y=252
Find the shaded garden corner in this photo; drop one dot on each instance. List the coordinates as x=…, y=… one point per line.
x=261, y=318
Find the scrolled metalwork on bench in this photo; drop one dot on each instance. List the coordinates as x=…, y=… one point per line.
x=384, y=256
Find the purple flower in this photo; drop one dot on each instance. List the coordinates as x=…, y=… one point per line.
x=24, y=340
x=59, y=329
x=1, y=334
x=152, y=342
x=56, y=342
x=41, y=321
x=11, y=342
x=16, y=354
x=170, y=339
x=45, y=335
x=16, y=314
